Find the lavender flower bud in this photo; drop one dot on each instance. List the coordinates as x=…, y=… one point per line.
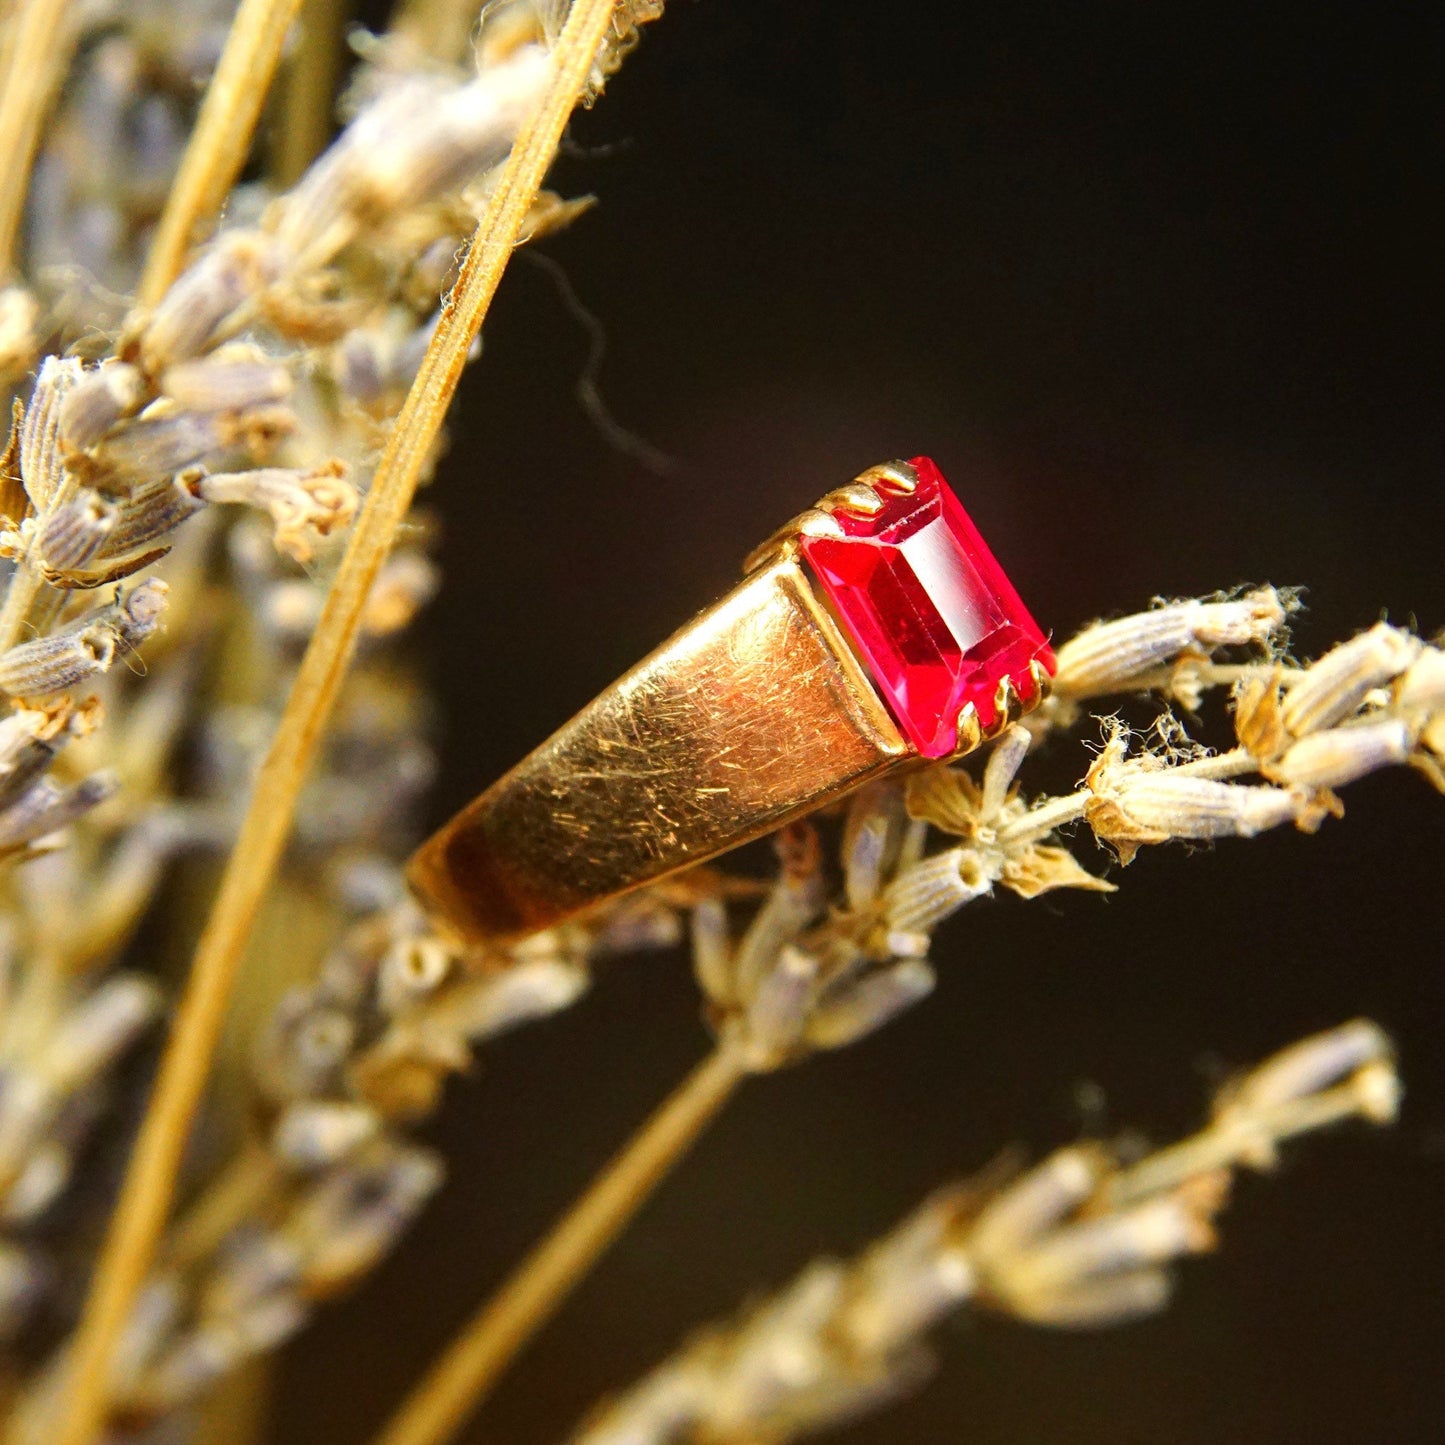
x=866, y=1004
x=1090, y=1303
x=1310, y=1066
x=206, y=299
x=1035, y=1203
x=414, y=967
x=150, y=512
x=1152, y=807
x=315, y=1135
x=23, y=760
x=1422, y=686
x=41, y=465
x=870, y=837
x=72, y=534
x=909, y=1279
x=712, y=955
x=205, y=1354
x=1004, y=761
x=531, y=989
x=920, y=899
x=792, y=904
x=253, y=1263
x=97, y=402
x=87, y=647
x=217, y=385
x=46, y=808
x=303, y=505
x=1149, y=1233
x=99, y=1028
x=1332, y=688
x=420, y=138
x=1109, y=655
x=41, y=1182
x=357, y=1212
x=152, y=447
x=1342, y=755
x=777, y=1012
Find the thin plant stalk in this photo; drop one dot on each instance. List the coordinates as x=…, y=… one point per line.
x=37, y=55
x=140, y=1215
x=309, y=89
x=221, y=140
x=459, y=1381
x=227, y=1200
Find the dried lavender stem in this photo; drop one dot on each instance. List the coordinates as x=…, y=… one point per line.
x=42, y=35
x=310, y=88
x=1233, y=764
x=462, y=1377
x=140, y=1213
x=221, y=140
x=24, y=586
x=229, y=1198
x=1043, y=820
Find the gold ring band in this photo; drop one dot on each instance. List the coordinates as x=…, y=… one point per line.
x=759, y=710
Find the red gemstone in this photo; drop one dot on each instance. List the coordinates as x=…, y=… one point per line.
x=928, y=608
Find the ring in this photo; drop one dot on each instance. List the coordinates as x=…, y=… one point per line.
x=872, y=632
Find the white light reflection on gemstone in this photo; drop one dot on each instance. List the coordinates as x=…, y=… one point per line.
x=951, y=585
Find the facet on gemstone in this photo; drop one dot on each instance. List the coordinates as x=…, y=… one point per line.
x=930, y=611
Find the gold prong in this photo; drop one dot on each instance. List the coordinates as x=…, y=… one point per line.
x=863, y=496
x=815, y=522
x=1007, y=706
x=855, y=497
x=970, y=730
x=894, y=476
x=1043, y=683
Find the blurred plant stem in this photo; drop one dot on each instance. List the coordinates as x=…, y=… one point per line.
x=221, y=140
x=40, y=37
x=308, y=102
x=463, y=1376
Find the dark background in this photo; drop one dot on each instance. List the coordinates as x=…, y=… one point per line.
x=1159, y=288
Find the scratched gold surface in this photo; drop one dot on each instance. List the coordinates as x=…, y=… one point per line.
x=755, y=712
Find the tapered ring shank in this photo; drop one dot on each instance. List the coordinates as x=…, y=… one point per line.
x=754, y=713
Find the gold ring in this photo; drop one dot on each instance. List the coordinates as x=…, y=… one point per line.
x=873, y=631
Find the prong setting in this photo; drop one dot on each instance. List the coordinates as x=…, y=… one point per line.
x=864, y=496
x=1013, y=699
x=817, y=521
x=970, y=730
x=898, y=477
x=857, y=497
x=1008, y=706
